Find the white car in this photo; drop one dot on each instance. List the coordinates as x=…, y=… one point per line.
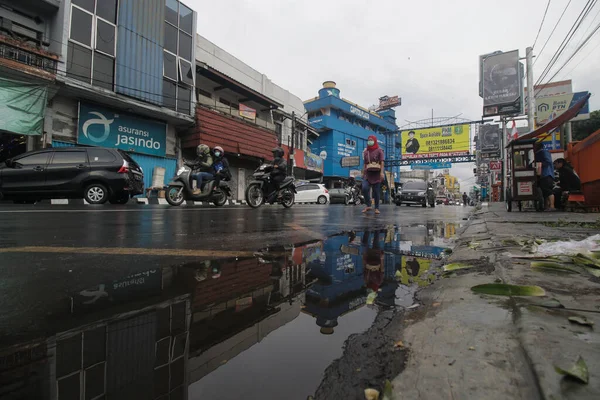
x=312, y=193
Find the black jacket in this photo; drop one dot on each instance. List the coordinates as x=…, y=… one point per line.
x=412, y=146
x=568, y=179
x=220, y=169
x=203, y=164
x=281, y=167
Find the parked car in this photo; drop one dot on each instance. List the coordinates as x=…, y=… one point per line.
x=312, y=193
x=416, y=192
x=338, y=196
x=95, y=174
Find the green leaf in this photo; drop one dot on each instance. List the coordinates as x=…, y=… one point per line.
x=388, y=392
x=578, y=371
x=593, y=271
x=586, y=261
x=553, y=266
x=502, y=289
x=474, y=245
x=581, y=320
x=550, y=303
x=511, y=242
x=456, y=266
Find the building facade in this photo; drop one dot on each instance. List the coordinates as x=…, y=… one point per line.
x=241, y=110
x=343, y=129
x=117, y=74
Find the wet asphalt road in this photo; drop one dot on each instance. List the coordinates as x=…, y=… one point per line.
x=48, y=253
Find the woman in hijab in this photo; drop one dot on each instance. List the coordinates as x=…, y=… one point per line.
x=372, y=173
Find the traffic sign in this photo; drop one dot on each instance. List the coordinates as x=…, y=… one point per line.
x=495, y=165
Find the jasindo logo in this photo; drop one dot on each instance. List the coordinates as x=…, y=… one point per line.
x=101, y=120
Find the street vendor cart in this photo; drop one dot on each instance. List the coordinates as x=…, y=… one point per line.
x=522, y=179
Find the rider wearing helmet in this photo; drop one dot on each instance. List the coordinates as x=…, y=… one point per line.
x=204, y=165
x=220, y=166
x=278, y=173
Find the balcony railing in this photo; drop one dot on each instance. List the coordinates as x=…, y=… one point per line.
x=12, y=50
x=234, y=112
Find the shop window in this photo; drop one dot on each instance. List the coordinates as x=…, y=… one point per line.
x=170, y=38
x=169, y=95
x=81, y=26
x=186, y=73
x=186, y=19
x=105, y=38
x=104, y=71
x=169, y=65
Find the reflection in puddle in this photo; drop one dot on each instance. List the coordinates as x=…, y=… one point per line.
x=222, y=329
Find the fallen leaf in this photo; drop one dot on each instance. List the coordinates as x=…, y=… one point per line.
x=578, y=371
x=502, y=289
x=436, y=304
x=388, y=390
x=371, y=394
x=456, y=266
x=551, y=303
x=581, y=320
x=399, y=343
x=413, y=306
x=472, y=348
x=550, y=265
x=474, y=245
x=358, y=369
x=451, y=362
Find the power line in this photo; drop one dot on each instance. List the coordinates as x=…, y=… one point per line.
x=582, y=60
x=551, y=33
x=542, y=24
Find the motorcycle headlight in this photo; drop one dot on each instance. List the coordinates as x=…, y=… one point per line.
x=421, y=193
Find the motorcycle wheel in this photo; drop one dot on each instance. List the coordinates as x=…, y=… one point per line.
x=288, y=198
x=254, y=195
x=220, y=199
x=174, y=195
x=346, y=200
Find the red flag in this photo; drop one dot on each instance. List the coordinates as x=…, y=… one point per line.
x=514, y=134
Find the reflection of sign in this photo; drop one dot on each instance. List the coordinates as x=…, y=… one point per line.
x=502, y=84
x=242, y=304
x=525, y=189
x=489, y=138
x=99, y=126
x=386, y=102
x=556, y=105
x=247, y=112
x=495, y=165
x=353, y=161
x=414, y=270
x=442, y=141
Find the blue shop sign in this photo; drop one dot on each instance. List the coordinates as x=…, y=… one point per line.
x=99, y=126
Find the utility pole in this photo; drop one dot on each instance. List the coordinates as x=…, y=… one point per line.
x=530, y=89
x=290, y=155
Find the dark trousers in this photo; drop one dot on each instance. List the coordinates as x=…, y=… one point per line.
x=366, y=187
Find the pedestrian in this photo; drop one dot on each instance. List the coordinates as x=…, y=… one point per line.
x=203, y=164
x=568, y=182
x=546, y=180
x=373, y=159
x=465, y=198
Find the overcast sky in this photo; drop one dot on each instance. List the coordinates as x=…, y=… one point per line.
x=425, y=51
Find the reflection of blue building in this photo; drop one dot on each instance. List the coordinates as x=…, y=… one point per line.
x=344, y=128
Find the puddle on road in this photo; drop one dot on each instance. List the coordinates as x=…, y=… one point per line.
x=261, y=327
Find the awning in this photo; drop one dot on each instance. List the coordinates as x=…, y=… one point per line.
x=231, y=84
x=22, y=107
x=558, y=121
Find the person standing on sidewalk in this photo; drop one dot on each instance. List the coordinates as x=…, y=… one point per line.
x=373, y=158
x=547, y=175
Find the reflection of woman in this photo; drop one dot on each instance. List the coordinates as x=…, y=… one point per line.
x=412, y=144
x=413, y=267
x=373, y=261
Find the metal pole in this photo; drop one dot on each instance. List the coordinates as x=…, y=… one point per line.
x=504, y=160
x=568, y=133
x=530, y=89
x=290, y=155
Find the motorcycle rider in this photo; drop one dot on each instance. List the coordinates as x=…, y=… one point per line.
x=220, y=166
x=204, y=165
x=278, y=173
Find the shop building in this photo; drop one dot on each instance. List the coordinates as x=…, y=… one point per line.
x=241, y=110
x=343, y=129
x=121, y=76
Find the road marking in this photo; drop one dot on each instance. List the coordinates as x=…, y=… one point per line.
x=128, y=251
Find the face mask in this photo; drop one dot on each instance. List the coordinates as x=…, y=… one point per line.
x=217, y=153
x=370, y=143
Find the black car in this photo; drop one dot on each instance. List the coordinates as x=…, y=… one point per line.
x=337, y=196
x=419, y=192
x=94, y=173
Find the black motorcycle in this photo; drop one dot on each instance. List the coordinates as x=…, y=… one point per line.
x=181, y=188
x=353, y=196
x=256, y=192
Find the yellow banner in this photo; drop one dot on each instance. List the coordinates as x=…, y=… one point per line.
x=551, y=106
x=415, y=270
x=443, y=141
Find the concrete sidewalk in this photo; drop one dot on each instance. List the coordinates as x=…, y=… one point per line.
x=464, y=345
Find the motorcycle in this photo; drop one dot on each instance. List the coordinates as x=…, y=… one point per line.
x=256, y=192
x=353, y=196
x=181, y=188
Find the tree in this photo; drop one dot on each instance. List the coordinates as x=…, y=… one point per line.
x=583, y=129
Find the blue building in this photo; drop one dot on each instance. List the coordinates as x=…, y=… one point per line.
x=343, y=129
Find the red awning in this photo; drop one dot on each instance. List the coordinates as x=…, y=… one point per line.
x=558, y=121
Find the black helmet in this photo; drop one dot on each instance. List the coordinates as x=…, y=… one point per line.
x=277, y=152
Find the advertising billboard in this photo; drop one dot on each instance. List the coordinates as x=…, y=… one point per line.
x=386, y=102
x=99, y=126
x=489, y=138
x=441, y=141
x=550, y=107
x=502, y=84
x=247, y=112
